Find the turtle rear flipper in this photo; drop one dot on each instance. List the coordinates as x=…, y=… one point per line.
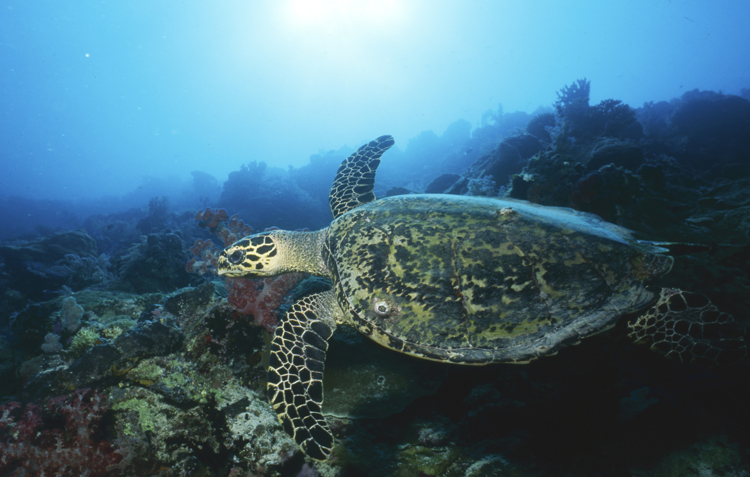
x=688, y=327
x=295, y=373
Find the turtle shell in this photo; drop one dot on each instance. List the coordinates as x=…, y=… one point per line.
x=477, y=280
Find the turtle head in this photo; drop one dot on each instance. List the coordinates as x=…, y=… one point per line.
x=254, y=256
x=274, y=252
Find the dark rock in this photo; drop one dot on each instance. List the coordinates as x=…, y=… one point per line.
x=51, y=248
x=29, y=265
x=398, y=191
x=311, y=285
x=174, y=395
x=548, y=179
x=441, y=183
x=157, y=264
x=612, y=151
x=603, y=191
x=702, y=128
x=149, y=339
x=652, y=176
x=718, y=204
x=29, y=326
x=509, y=158
x=189, y=300
x=94, y=366
x=713, y=122
x=103, y=364
x=735, y=171
x=540, y=125
x=363, y=379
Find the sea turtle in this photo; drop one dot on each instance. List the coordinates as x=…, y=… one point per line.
x=465, y=280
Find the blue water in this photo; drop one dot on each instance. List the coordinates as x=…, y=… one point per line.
x=105, y=99
x=122, y=120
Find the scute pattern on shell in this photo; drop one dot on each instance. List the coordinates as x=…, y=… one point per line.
x=471, y=280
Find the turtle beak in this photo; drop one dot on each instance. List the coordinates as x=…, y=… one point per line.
x=224, y=268
x=222, y=265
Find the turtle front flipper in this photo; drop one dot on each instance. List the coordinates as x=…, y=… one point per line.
x=295, y=372
x=355, y=179
x=688, y=327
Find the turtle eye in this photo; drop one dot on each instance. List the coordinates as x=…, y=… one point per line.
x=237, y=257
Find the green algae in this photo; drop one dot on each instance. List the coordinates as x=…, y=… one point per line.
x=196, y=382
x=86, y=338
x=420, y=460
x=150, y=419
x=714, y=456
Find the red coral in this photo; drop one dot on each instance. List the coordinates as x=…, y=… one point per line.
x=228, y=229
x=217, y=221
x=205, y=258
x=261, y=298
x=211, y=218
x=234, y=230
x=31, y=446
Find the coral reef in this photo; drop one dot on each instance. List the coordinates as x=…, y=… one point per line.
x=574, y=117
x=228, y=229
x=204, y=259
x=38, y=266
x=155, y=264
x=71, y=314
x=256, y=190
x=158, y=217
x=703, y=129
x=82, y=272
x=365, y=380
x=97, y=361
x=191, y=399
x=540, y=125
x=51, y=343
x=259, y=298
x=508, y=158
x=30, y=445
x=113, y=233
x=83, y=341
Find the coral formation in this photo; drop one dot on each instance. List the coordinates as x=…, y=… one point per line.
x=37, y=266
x=259, y=298
x=71, y=314
x=83, y=340
x=508, y=158
x=158, y=217
x=540, y=125
x=52, y=343
x=30, y=445
x=82, y=271
x=155, y=264
x=256, y=190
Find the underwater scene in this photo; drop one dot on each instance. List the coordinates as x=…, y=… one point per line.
x=342, y=238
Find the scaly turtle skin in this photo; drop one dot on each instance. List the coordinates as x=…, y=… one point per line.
x=463, y=280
